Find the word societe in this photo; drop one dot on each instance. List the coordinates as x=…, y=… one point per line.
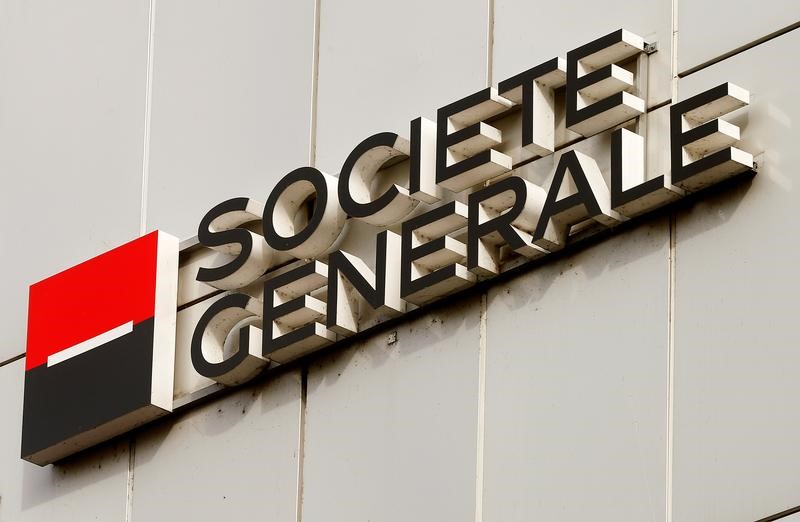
x=460, y=211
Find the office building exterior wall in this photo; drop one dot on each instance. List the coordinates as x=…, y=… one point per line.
x=648, y=376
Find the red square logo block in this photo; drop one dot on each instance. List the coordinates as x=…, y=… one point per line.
x=101, y=348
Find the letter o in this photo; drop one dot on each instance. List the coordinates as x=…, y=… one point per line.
x=325, y=223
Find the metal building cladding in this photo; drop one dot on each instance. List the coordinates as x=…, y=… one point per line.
x=645, y=374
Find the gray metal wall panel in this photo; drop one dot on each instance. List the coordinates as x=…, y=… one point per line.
x=391, y=426
x=708, y=29
x=71, y=122
x=234, y=459
x=382, y=65
x=576, y=385
x=231, y=104
x=736, y=336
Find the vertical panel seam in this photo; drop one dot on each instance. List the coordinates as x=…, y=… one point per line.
x=671, y=298
x=301, y=443
x=129, y=481
x=312, y=135
x=489, y=41
x=481, y=424
x=670, y=406
x=312, y=161
x=479, y=476
x=148, y=96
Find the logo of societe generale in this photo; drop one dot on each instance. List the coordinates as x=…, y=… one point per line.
x=101, y=347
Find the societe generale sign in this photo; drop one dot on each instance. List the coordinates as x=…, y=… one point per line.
x=449, y=206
